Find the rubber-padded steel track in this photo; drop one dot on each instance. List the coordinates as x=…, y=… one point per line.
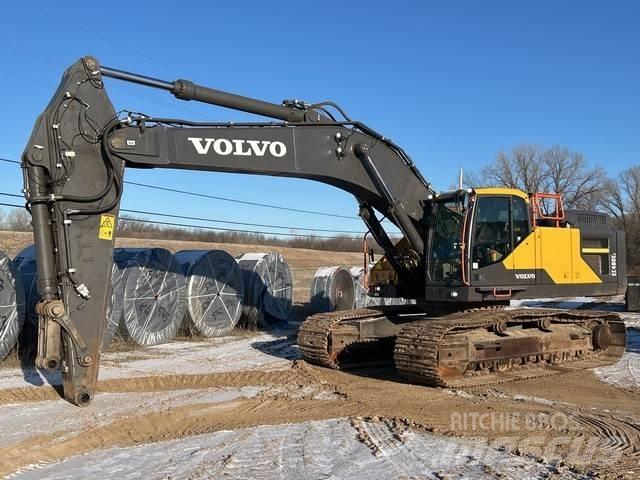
x=417, y=346
x=315, y=333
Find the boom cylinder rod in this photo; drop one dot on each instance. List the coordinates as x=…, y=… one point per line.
x=187, y=90
x=135, y=78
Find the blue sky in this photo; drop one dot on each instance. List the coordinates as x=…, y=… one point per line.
x=451, y=82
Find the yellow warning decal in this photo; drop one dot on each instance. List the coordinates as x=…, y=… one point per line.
x=107, y=226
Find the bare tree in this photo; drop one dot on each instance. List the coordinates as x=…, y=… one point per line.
x=567, y=173
x=473, y=179
x=621, y=199
x=533, y=169
x=18, y=219
x=621, y=196
x=520, y=168
x=141, y=228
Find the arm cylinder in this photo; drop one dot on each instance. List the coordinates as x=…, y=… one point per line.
x=186, y=90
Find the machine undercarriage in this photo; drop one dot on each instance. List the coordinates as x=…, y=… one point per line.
x=466, y=348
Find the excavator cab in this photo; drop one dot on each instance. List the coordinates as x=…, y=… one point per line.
x=474, y=229
x=498, y=244
x=500, y=223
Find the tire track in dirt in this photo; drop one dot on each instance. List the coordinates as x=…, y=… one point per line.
x=156, y=383
x=614, y=434
x=384, y=440
x=377, y=394
x=176, y=423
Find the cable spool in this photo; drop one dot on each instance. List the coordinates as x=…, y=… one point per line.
x=115, y=306
x=27, y=271
x=362, y=298
x=268, y=288
x=361, y=295
x=214, y=293
x=332, y=289
x=26, y=253
x=27, y=274
x=12, y=306
x=154, y=294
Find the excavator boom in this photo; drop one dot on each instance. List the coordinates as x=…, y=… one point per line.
x=74, y=163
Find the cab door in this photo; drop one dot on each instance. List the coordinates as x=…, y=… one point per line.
x=524, y=258
x=502, y=247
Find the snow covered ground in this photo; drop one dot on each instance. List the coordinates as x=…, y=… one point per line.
x=626, y=373
x=264, y=351
x=19, y=421
x=341, y=447
x=309, y=450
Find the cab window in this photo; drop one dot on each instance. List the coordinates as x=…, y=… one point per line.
x=521, y=222
x=492, y=239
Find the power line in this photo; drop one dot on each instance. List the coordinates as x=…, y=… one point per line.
x=233, y=230
x=213, y=220
x=202, y=227
x=244, y=202
x=58, y=63
x=11, y=205
x=93, y=32
x=308, y=229
x=227, y=199
x=157, y=187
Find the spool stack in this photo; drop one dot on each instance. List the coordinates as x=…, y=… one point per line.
x=115, y=307
x=12, y=305
x=27, y=275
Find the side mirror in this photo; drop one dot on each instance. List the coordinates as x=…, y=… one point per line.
x=372, y=257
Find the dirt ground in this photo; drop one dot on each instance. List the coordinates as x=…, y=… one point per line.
x=241, y=395
x=247, y=406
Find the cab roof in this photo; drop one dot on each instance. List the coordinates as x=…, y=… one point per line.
x=502, y=191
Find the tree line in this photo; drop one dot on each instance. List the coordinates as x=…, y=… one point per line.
x=137, y=228
x=18, y=219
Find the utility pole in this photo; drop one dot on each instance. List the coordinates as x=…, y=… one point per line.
x=460, y=180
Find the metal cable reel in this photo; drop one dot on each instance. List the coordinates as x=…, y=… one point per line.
x=12, y=306
x=332, y=289
x=115, y=307
x=361, y=294
x=215, y=291
x=27, y=274
x=268, y=288
x=26, y=270
x=154, y=299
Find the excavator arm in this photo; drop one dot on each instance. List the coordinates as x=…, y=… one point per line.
x=73, y=168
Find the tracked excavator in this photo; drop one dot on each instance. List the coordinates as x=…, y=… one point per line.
x=463, y=255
